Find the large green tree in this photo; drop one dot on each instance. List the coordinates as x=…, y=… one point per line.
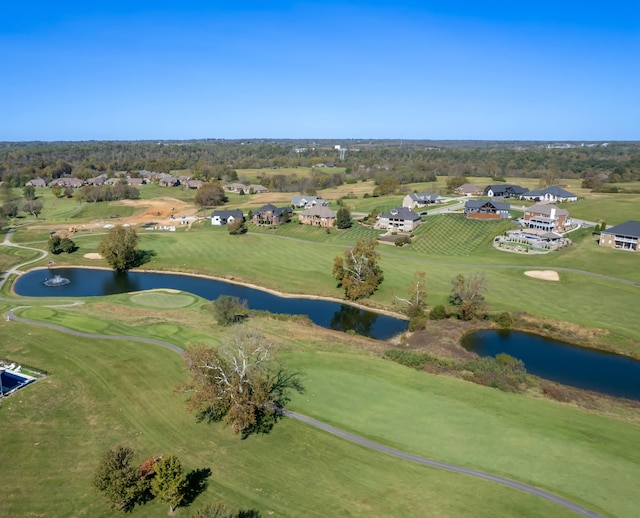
x=239, y=382
x=169, y=483
x=357, y=271
x=120, y=248
x=343, y=218
x=118, y=479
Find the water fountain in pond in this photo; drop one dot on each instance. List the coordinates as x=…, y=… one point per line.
x=57, y=280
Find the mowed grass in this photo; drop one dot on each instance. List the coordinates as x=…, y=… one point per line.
x=585, y=457
x=295, y=230
x=103, y=393
x=610, y=208
x=455, y=235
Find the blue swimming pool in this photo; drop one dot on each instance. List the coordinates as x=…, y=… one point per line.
x=12, y=381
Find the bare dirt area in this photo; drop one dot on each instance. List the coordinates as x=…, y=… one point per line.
x=545, y=275
x=160, y=211
x=92, y=255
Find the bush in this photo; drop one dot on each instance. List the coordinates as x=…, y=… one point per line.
x=403, y=240
x=503, y=372
x=57, y=245
x=505, y=320
x=229, y=310
x=418, y=322
x=407, y=358
x=439, y=312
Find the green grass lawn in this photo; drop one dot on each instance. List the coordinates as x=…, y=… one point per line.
x=103, y=393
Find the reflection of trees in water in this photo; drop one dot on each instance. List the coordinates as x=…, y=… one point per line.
x=351, y=318
x=120, y=283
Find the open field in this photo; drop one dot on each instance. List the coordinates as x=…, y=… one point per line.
x=94, y=401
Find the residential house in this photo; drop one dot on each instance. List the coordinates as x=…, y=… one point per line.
x=553, y=193
x=98, y=180
x=223, y=217
x=399, y=218
x=468, y=189
x=236, y=187
x=307, y=201
x=549, y=218
x=504, y=190
x=167, y=180
x=67, y=182
x=318, y=216
x=270, y=215
x=194, y=184
x=417, y=201
x=256, y=188
x=37, y=182
x=137, y=182
x=623, y=237
x=486, y=210
x=113, y=181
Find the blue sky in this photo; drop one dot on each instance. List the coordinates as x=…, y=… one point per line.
x=363, y=69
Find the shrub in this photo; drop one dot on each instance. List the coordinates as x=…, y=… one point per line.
x=407, y=358
x=505, y=320
x=439, y=312
x=503, y=372
x=403, y=240
x=418, y=322
x=229, y=310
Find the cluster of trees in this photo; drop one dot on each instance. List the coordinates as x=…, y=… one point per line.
x=239, y=383
x=96, y=193
x=13, y=204
x=210, y=195
x=58, y=244
x=126, y=484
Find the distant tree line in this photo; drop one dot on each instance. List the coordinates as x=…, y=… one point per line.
x=411, y=161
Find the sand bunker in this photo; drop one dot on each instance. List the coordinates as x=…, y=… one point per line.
x=92, y=255
x=545, y=275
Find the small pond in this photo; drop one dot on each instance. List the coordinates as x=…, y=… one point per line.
x=89, y=282
x=567, y=364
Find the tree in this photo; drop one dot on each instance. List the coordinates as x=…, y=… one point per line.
x=120, y=248
x=68, y=191
x=10, y=209
x=453, y=182
x=169, y=482
x=468, y=295
x=387, y=185
x=239, y=383
x=33, y=206
x=210, y=195
x=229, y=310
x=236, y=227
x=118, y=480
x=29, y=192
x=416, y=301
x=56, y=190
x=343, y=218
x=358, y=271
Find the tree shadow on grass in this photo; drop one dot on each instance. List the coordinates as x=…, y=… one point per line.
x=196, y=483
x=143, y=257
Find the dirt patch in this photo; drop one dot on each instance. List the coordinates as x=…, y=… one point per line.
x=161, y=211
x=93, y=255
x=545, y=275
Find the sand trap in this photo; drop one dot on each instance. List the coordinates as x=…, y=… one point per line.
x=545, y=275
x=92, y=255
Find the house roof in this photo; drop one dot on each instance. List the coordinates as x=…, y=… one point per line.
x=225, y=214
x=401, y=213
x=299, y=199
x=554, y=190
x=545, y=209
x=320, y=211
x=424, y=197
x=628, y=228
x=505, y=188
x=476, y=204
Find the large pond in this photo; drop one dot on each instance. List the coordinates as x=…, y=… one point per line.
x=86, y=282
x=561, y=362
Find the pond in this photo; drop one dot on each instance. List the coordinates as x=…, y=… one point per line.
x=557, y=361
x=89, y=282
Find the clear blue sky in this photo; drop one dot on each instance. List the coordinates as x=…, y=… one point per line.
x=534, y=70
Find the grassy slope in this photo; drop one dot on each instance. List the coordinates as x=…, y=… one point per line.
x=54, y=432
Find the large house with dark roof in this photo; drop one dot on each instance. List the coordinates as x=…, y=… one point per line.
x=486, y=210
x=623, y=237
x=504, y=190
x=553, y=193
x=270, y=215
x=223, y=217
x=400, y=218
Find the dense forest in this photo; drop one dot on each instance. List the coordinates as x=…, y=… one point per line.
x=407, y=161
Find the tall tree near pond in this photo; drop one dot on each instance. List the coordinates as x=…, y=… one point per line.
x=467, y=295
x=357, y=271
x=415, y=303
x=120, y=248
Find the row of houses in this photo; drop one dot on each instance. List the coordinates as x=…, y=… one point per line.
x=318, y=215
x=143, y=178
x=553, y=193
